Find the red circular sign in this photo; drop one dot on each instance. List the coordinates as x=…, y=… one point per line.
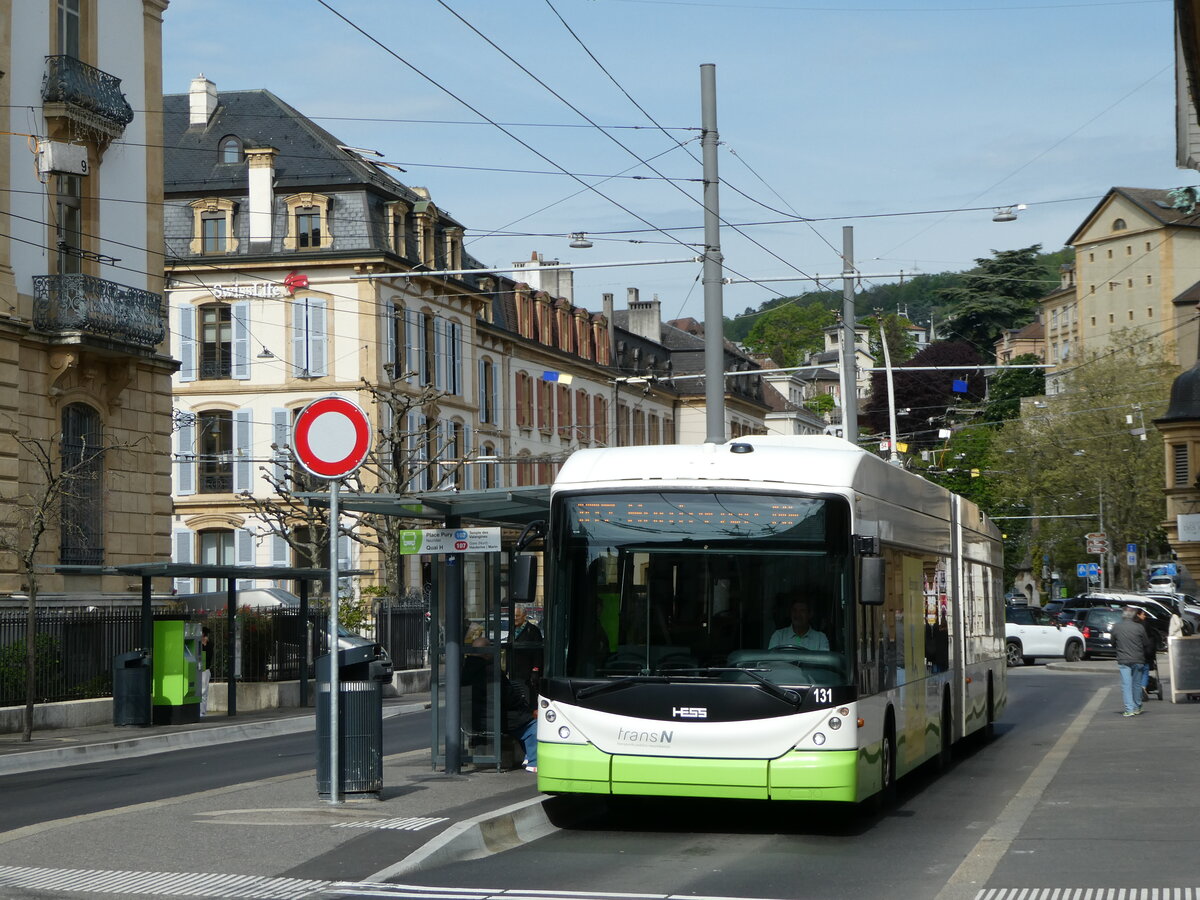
x=331, y=437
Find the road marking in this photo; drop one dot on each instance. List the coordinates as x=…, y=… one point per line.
x=410, y=823
x=981, y=862
x=199, y=884
x=1165, y=893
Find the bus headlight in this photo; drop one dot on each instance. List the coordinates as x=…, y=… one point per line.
x=551, y=715
x=564, y=732
x=835, y=723
x=818, y=739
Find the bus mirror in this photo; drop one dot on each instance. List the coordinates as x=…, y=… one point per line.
x=522, y=580
x=870, y=583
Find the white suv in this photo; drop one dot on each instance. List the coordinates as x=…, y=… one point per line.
x=1030, y=632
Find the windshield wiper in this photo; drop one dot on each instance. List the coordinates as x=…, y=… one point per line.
x=792, y=697
x=619, y=683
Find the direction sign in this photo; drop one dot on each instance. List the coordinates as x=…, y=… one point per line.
x=1096, y=536
x=1097, y=546
x=449, y=540
x=331, y=437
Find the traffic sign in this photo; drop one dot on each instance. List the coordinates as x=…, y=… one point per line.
x=1097, y=546
x=1087, y=570
x=331, y=437
x=1096, y=536
x=449, y=540
x=1131, y=559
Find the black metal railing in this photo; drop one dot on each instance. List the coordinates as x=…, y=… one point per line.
x=402, y=627
x=75, y=648
x=69, y=80
x=79, y=302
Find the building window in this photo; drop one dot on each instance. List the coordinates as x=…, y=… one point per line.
x=69, y=206
x=1129, y=249
x=524, y=386
x=81, y=539
x=212, y=226
x=487, y=392
x=1149, y=279
x=216, y=340
x=215, y=450
x=1179, y=460
x=309, y=224
x=1118, y=225
x=310, y=337
x=564, y=411
x=308, y=227
x=1091, y=257
x=216, y=549
x=1147, y=246
x=1093, y=321
x=1131, y=315
x=397, y=214
x=1149, y=312
x=1111, y=318
x=69, y=27
x=1110, y=252
x=1092, y=288
x=545, y=405
x=230, y=150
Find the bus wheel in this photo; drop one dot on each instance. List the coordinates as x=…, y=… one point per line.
x=887, y=774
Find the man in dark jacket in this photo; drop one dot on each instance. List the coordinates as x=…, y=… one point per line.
x=1131, y=642
x=1151, y=650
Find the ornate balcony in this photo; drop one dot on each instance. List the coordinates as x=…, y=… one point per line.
x=92, y=305
x=88, y=96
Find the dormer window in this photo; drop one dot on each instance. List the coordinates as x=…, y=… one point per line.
x=308, y=222
x=230, y=150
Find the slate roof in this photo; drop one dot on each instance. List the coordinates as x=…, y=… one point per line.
x=1152, y=201
x=308, y=157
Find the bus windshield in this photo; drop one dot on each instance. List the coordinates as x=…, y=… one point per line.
x=701, y=585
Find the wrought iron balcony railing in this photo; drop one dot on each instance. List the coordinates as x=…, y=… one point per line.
x=95, y=306
x=69, y=80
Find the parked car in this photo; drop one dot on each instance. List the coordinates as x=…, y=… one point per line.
x=1096, y=626
x=1162, y=583
x=1187, y=606
x=1030, y=632
x=1160, y=614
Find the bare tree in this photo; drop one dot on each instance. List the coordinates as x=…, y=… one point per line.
x=402, y=459
x=59, y=490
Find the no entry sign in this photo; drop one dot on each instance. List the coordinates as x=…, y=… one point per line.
x=331, y=437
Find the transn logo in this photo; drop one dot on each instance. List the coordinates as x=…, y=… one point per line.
x=689, y=712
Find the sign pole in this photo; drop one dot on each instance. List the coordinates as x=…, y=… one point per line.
x=334, y=674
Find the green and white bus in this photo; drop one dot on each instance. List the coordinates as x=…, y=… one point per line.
x=678, y=664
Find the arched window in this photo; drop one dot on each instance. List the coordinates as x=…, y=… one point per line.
x=1119, y=225
x=230, y=150
x=81, y=540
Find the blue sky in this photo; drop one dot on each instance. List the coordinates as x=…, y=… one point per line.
x=857, y=113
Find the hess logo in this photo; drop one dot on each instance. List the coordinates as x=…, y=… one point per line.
x=689, y=712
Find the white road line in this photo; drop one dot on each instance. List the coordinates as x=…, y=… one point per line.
x=409, y=823
x=981, y=862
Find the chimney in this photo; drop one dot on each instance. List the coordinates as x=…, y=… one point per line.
x=260, y=162
x=645, y=317
x=607, y=300
x=202, y=100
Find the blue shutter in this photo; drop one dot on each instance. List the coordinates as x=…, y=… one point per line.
x=187, y=343
x=280, y=550
x=240, y=316
x=389, y=337
x=423, y=374
x=412, y=360
x=468, y=471
x=183, y=549
x=440, y=342
x=185, y=460
x=299, y=343
x=481, y=391
x=281, y=437
x=243, y=452
x=243, y=553
x=317, y=338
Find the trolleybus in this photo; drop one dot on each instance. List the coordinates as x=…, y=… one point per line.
x=784, y=618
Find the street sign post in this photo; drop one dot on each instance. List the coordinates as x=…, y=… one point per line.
x=330, y=438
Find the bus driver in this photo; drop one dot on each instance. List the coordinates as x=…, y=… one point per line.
x=799, y=633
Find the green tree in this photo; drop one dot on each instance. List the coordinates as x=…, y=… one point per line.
x=1001, y=293
x=900, y=341
x=1010, y=385
x=789, y=332
x=1078, y=454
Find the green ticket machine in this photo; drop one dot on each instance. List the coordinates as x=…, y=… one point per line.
x=176, y=684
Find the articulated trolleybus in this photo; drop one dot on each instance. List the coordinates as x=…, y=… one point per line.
x=786, y=618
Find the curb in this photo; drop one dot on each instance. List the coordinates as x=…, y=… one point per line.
x=104, y=751
x=476, y=838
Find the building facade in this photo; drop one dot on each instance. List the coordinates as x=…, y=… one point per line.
x=85, y=376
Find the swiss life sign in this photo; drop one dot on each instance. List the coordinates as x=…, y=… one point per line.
x=331, y=437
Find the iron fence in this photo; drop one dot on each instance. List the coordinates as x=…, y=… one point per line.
x=75, y=648
x=402, y=627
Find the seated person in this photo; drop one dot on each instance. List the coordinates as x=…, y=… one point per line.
x=799, y=633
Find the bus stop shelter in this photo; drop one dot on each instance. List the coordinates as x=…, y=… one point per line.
x=511, y=508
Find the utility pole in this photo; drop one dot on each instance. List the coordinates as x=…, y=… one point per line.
x=849, y=373
x=714, y=311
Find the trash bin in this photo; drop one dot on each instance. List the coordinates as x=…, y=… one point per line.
x=131, y=688
x=362, y=673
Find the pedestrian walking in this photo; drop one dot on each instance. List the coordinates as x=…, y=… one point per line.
x=1131, y=641
x=1143, y=618
x=205, y=667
